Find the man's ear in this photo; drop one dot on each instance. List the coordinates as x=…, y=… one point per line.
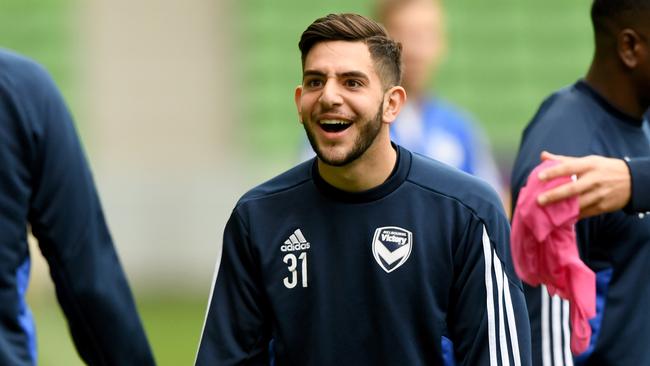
x=629, y=45
x=296, y=98
x=394, y=99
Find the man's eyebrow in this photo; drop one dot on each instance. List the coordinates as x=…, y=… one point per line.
x=354, y=74
x=347, y=74
x=312, y=73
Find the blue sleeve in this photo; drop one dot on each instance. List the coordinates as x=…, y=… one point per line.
x=66, y=217
x=488, y=320
x=237, y=327
x=640, y=174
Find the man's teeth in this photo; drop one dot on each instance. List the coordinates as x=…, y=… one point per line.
x=333, y=122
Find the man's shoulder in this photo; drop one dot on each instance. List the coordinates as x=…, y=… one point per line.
x=565, y=123
x=282, y=183
x=28, y=86
x=567, y=104
x=11, y=59
x=442, y=179
x=17, y=70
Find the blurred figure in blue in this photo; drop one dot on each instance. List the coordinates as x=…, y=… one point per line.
x=427, y=124
x=45, y=182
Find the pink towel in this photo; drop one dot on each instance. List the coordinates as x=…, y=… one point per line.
x=544, y=251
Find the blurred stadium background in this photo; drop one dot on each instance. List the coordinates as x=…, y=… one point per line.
x=184, y=105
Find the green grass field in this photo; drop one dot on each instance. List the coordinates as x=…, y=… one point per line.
x=173, y=325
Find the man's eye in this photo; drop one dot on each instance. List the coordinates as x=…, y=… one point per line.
x=353, y=83
x=314, y=83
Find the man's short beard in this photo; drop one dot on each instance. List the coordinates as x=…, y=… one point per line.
x=367, y=136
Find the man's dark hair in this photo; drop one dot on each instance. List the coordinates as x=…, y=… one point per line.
x=385, y=52
x=608, y=13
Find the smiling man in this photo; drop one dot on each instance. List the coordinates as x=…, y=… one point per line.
x=366, y=254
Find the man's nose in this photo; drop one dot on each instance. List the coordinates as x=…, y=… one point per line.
x=330, y=95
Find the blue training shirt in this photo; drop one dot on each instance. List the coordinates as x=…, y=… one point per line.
x=45, y=182
x=577, y=121
x=380, y=277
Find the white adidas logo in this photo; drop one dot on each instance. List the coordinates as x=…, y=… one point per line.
x=295, y=242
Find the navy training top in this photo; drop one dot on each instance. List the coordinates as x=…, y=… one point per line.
x=312, y=275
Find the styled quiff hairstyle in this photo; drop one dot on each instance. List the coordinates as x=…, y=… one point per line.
x=386, y=53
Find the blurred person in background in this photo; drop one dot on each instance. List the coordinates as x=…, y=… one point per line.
x=428, y=124
x=46, y=183
x=601, y=114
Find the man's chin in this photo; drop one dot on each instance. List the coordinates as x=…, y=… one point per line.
x=334, y=157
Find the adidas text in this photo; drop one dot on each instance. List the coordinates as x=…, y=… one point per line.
x=294, y=247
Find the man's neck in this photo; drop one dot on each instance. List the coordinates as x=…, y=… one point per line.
x=369, y=171
x=613, y=85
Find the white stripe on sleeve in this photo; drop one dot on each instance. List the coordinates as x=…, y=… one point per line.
x=546, y=334
x=556, y=326
x=503, y=344
x=568, y=358
x=487, y=253
x=512, y=322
